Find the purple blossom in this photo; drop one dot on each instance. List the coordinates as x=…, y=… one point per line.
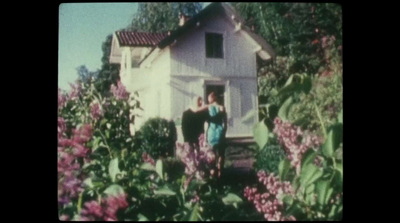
x=79, y=150
x=92, y=208
x=195, y=199
x=72, y=186
x=295, y=141
x=75, y=91
x=61, y=127
x=64, y=217
x=120, y=91
x=268, y=202
x=107, y=211
x=62, y=99
x=148, y=159
x=198, y=162
x=68, y=167
x=83, y=134
x=114, y=203
x=95, y=111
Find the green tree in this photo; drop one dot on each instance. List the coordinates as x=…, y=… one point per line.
x=295, y=30
x=85, y=75
x=109, y=73
x=161, y=16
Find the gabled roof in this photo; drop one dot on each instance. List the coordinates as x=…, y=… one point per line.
x=211, y=9
x=142, y=39
x=162, y=40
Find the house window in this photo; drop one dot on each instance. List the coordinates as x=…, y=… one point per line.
x=214, y=45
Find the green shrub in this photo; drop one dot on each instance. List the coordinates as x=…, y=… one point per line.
x=157, y=137
x=268, y=159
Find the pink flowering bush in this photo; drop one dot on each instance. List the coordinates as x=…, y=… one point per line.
x=106, y=211
x=295, y=141
x=119, y=91
x=266, y=200
x=199, y=162
x=90, y=152
x=309, y=185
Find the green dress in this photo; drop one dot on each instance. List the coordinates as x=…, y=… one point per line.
x=215, y=128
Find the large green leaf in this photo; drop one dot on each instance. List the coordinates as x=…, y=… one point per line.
x=283, y=112
x=339, y=173
x=309, y=174
x=309, y=192
x=283, y=168
x=296, y=83
x=103, y=121
x=289, y=86
x=308, y=157
x=147, y=166
x=324, y=192
x=142, y=217
x=295, y=209
x=328, y=147
x=88, y=182
x=96, y=144
x=288, y=200
x=164, y=191
x=334, y=138
x=113, y=169
x=333, y=211
x=261, y=133
x=231, y=199
x=194, y=214
x=340, y=116
x=305, y=83
x=114, y=189
x=159, y=168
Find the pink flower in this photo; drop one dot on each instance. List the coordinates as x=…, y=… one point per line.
x=92, y=208
x=195, y=199
x=62, y=99
x=106, y=211
x=64, y=217
x=268, y=203
x=61, y=127
x=114, y=203
x=83, y=134
x=289, y=136
x=148, y=159
x=75, y=91
x=120, y=91
x=198, y=162
x=95, y=111
x=79, y=150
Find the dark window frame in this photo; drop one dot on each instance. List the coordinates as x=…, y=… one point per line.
x=214, y=45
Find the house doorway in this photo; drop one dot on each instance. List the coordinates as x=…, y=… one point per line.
x=219, y=91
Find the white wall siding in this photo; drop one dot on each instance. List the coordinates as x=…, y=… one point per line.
x=243, y=103
x=152, y=84
x=188, y=53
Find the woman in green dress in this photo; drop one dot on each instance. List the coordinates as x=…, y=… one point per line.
x=216, y=127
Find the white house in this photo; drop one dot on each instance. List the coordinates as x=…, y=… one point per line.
x=213, y=50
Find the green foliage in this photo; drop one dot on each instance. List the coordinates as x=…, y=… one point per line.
x=320, y=107
x=157, y=137
x=269, y=157
x=319, y=188
x=109, y=73
x=261, y=134
x=295, y=29
x=161, y=16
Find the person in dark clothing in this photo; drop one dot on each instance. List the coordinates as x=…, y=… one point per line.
x=193, y=122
